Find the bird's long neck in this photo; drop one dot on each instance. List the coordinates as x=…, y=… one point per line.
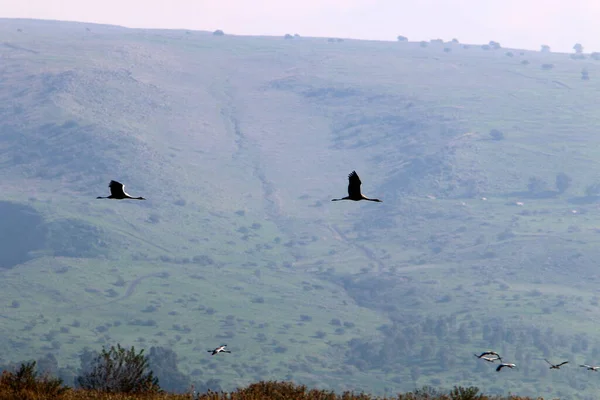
x=343, y=198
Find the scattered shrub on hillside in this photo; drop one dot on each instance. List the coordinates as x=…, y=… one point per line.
x=455, y=40
x=24, y=383
x=203, y=260
x=585, y=75
x=485, y=47
x=593, y=190
x=118, y=370
x=595, y=56
x=402, y=38
x=536, y=185
x=288, y=36
x=525, y=62
x=447, y=49
x=218, y=32
x=494, y=45
x=578, y=48
x=436, y=41
x=423, y=43
x=320, y=334
x=150, y=308
x=509, y=54
x=545, y=48
x=547, y=66
x=563, y=181
x=495, y=134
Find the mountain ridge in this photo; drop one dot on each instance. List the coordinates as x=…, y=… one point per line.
x=239, y=144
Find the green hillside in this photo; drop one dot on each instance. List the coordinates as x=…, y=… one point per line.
x=484, y=240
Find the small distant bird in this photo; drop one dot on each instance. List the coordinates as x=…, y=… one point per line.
x=502, y=365
x=117, y=191
x=489, y=353
x=220, y=349
x=488, y=359
x=354, y=189
x=556, y=366
x=589, y=367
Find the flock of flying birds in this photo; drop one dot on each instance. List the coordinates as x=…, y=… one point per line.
x=485, y=356
x=117, y=192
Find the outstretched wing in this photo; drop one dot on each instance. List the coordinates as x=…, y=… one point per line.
x=585, y=366
x=563, y=363
x=548, y=362
x=354, y=184
x=116, y=188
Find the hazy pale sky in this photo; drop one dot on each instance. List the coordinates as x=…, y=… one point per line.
x=513, y=23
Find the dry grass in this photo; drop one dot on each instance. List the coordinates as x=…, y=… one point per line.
x=257, y=391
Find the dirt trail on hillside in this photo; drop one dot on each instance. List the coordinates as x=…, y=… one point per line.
x=248, y=149
x=368, y=253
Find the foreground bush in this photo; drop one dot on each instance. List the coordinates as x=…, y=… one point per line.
x=25, y=384
x=40, y=389
x=119, y=371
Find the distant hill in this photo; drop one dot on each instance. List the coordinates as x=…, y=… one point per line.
x=487, y=238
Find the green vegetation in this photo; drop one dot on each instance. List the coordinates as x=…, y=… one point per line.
x=487, y=236
x=24, y=384
x=118, y=370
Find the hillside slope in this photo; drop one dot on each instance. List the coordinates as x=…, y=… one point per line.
x=239, y=143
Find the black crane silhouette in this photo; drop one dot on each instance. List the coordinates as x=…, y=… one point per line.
x=489, y=353
x=117, y=191
x=220, y=349
x=502, y=365
x=556, y=366
x=589, y=367
x=354, y=189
